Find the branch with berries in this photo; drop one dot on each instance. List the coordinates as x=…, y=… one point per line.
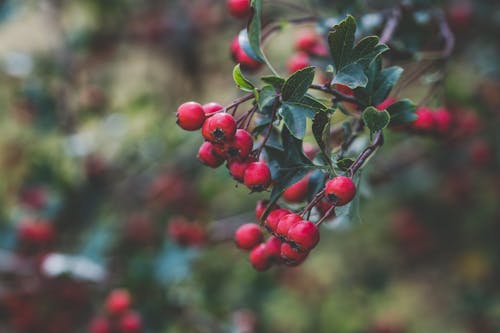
x=267, y=146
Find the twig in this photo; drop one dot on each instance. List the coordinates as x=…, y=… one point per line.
x=391, y=25
x=365, y=154
x=326, y=215
x=338, y=95
x=313, y=202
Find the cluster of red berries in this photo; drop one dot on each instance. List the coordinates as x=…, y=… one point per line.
x=292, y=236
x=307, y=45
x=119, y=317
x=225, y=142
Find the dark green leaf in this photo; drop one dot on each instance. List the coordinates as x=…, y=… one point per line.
x=345, y=163
x=320, y=129
x=367, y=50
x=266, y=98
x=384, y=83
x=240, y=80
x=244, y=42
x=297, y=85
x=341, y=42
x=402, y=112
x=254, y=29
x=313, y=103
x=276, y=81
x=316, y=183
x=375, y=120
x=352, y=76
x=294, y=121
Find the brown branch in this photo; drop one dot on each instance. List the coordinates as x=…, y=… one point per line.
x=391, y=25
x=365, y=154
x=337, y=94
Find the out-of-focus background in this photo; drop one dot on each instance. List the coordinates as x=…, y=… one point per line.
x=100, y=190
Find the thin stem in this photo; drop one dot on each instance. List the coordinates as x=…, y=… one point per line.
x=313, y=202
x=391, y=25
x=338, y=95
x=326, y=215
x=239, y=101
x=365, y=154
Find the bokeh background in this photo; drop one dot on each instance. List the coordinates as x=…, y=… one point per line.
x=99, y=189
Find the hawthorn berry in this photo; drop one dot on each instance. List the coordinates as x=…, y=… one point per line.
x=442, y=121
x=291, y=256
x=298, y=191
x=38, y=233
x=100, y=325
x=211, y=108
x=248, y=236
x=273, y=219
x=240, y=56
x=239, y=8
x=284, y=225
x=220, y=127
x=186, y=233
x=261, y=207
x=257, y=176
x=297, y=62
x=190, y=116
x=240, y=146
x=425, y=121
x=273, y=249
x=304, y=235
x=130, y=322
x=118, y=301
x=340, y=190
x=237, y=169
x=306, y=41
x=259, y=258
x=208, y=156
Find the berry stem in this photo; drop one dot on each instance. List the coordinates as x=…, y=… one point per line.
x=326, y=88
x=366, y=153
x=313, y=202
x=239, y=101
x=391, y=25
x=326, y=215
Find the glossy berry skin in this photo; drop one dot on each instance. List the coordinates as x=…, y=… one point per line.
x=424, y=122
x=442, y=120
x=220, y=127
x=207, y=155
x=273, y=249
x=306, y=41
x=239, y=8
x=241, y=145
x=261, y=207
x=211, y=108
x=257, y=176
x=297, y=62
x=284, y=225
x=298, y=191
x=259, y=258
x=237, y=169
x=130, y=322
x=273, y=219
x=118, y=301
x=248, y=236
x=241, y=57
x=340, y=190
x=190, y=116
x=290, y=256
x=304, y=235
x=100, y=325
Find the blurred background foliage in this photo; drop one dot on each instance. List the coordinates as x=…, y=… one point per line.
x=100, y=189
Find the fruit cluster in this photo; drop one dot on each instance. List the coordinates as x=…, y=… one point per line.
x=119, y=317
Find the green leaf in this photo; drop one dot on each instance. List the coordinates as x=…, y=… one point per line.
x=316, y=183
x=294, y=116
x=376, y=120
x=321, y=131
x=297, y=85
x=367, y=50
x=241, y=81
x=313, y=103
x=276, y=81
x=341, y=42
x=352, y=76
x=384, y=83
x=266, y=98
x=244, y=42
x=344, y=163
x=402, y=112
x=254, y=29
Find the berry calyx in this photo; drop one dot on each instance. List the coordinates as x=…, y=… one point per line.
x=290, y=256
x=340, y=190
x=297, y=62
x=190, y=116
x=284, y=225
x=211, y=108
x=220, y=127
x=208, y=156
x=239, y=8
x=273, y=219
x=298, y=191
x=304, y=235
x=241, y=145
x=259, y=258
x=118, y=301
x=257, y=176
x=248, y=236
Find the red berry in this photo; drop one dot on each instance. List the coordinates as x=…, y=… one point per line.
x=190, y=116
x=340, y=190
x=425, y=121
x=442, y=120
x=186, y=233
x=211, y=108
x=297, y=62
x=304, y=235
x=261, y=207
x=273, y=219
x=118, y=301
x=306, y=41
x=310, y=150
x=298, y=191
x=319, y=50
x=257, y=176
x=247, y=63
x=291, y=256
x=220, y=127
x=237, y=169
x=259, y=258
x=130, y=322
x=37, y=233
x=273, y=249
x=208, y=156
x=386, y=103
x=248, y=236
x=241, y=145
x=285, y=223
x=239, y=8
x=100, y=325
